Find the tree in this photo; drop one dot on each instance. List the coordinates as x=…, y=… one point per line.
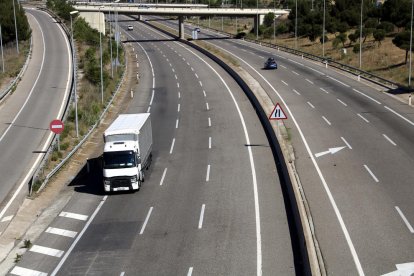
x=388, y=27
x=379, y=35
x=402, y=41
x=268, y=19
x=7, y=22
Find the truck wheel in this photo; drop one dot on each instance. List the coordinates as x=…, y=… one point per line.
x=139, y=185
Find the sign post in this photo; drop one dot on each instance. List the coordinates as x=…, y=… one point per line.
x=56, y=126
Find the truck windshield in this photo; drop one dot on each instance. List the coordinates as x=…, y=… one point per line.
x=119, y=159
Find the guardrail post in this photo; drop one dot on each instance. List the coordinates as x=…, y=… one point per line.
x=409, y=100
x=132, y=93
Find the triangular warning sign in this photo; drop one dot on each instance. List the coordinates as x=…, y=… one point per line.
x=277, y=113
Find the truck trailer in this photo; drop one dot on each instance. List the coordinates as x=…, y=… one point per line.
x=127, y=152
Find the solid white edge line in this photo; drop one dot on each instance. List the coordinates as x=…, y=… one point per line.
x=389, y=139
x=146, y=221
x=407, y=223
x=363, y=118
x=252, y=165
x=338, y=81
x=401, y=116
x=342, y=102
x=311, y=105
x=365, y=95
x=49, y=138
x=190, y=271
x=326, y=120
x=21, y=271
x=325, y=185
x=346, y=143
x=62, y=261
x=371, y=173
x=200, y=221
x=163, y=176
x=208, y=173
x=61, y=232
x=46, y=251
x=172, y=145
x=209, y=142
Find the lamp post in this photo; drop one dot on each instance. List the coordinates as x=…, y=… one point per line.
x=411, y=44
x=257, y=18
x=116, y=36
x=296, y=25
x=360, y=38
x=1, y=43
x=323, y=29
x=274, y=22
x=15, y=27
x=110, y=42
x=74, y=74
x=100, y=50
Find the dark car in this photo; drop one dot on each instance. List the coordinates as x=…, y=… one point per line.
x=270, y=63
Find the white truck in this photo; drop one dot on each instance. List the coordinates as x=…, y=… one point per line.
x=127, y=152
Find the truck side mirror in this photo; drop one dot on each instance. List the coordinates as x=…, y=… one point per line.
x=138, y=159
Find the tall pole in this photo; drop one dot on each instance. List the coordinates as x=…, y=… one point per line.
x=100, y=50
x=360, y=38
x=15, y=27
x=74, y=74
x=1, y=43
x=116, y=35
x=110, y=43
x=411, y=44
x=274, y=22
x=257, y=18
x=323, y=29
x=296, y=25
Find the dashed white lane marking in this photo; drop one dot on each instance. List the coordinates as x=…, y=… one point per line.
x=294, y=90
x=176, y=123
x=8, y=218
x=178, y=85
x=209, y=122
x=204, y=93
x=208, y=108
x=389, y=139
x=209, y=142
x=311, y=105
x=172, y=145
x=407, y=223
x=311, y=82
x=200, y=221
x=341, y=102
x=146, y=221
x=371, y=173
x=190, y=271
x=176, y=77
x=326, y=120
x=192, y=69
x=196, y=76
x=163, y=176
x=188, y=64
x=338, y=81
x=173, y=70
x=297, y=74
x=179, y=94
x=283, y=66
x=295, y=62
x=171, y=65
x=21, y=271
x=285, y=83
x=61, y=232
x=399, y=115
x=73, y=216
x=324, y=90
x=208, y=173
x=346, y=143
x=47, y=251
x=178, y=108
x=201, y=84
x=365, y=95
x=363, y=118
x=315, y=70
x=122, y=273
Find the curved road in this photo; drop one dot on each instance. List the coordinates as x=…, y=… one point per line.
x=211, y=203
x=25, y=115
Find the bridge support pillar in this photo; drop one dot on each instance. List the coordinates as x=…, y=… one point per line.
x=181, y=27
x=139, y=17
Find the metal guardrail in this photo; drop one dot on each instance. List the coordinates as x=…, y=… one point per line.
x=10, y=87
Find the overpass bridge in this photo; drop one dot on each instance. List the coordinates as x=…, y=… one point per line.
x=171, y=10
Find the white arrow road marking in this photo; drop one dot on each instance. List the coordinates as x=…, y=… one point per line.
x=406, y=269
x=331, y=151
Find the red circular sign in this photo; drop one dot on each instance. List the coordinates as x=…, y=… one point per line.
x=56, y=126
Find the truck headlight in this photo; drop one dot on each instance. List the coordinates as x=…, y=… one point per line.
x=134, y=179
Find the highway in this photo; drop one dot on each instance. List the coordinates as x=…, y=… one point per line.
x=211, y=203
x=360, y=195
x=25, y=115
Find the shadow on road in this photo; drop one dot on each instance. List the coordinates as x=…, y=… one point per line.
x=89, y=178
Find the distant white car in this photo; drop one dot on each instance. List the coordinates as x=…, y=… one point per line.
x=130, y=27
x=197, y=30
